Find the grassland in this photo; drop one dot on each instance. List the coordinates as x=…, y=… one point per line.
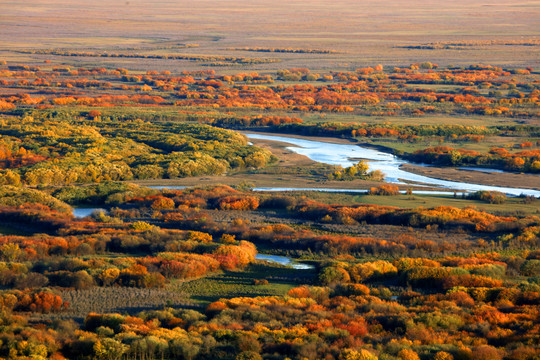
x=293, y=170
x=239, y=284
x=361, y=32
x=100, y=99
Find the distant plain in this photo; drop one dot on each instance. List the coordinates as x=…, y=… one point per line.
x=360, y=32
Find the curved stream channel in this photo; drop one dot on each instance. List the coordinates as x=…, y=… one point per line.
x=281, y=260
x=340, y=154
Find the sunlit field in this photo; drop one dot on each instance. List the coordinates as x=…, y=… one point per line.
x=358, y=33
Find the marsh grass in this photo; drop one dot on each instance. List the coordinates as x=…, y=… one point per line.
x=240, y=283
x=123, y=300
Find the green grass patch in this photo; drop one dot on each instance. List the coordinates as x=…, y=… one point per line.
x=434, y=119
x=483, y=146
x=511, y=206
x=232, y=284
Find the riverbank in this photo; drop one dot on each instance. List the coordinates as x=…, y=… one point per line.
x=305, y=161
x=487, y=177
x=292, y=170
x=331, y=140
x=344, y=155
x=504, y=179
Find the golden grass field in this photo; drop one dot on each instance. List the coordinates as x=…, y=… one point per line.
x=362, y=32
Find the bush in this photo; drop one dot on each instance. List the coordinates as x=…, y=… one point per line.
x=492, y=197
x=260, y=282
x=332, y=275
x=386, y=190
x=248, y=355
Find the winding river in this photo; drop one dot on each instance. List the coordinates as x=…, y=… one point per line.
x=341, y=154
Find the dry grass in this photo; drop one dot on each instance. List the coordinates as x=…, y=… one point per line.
x=240, y=283
x=363, y=32
x=297, y=171
x=527, y=181
x=120, y=299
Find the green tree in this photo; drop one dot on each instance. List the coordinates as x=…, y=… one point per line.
x=109, y=349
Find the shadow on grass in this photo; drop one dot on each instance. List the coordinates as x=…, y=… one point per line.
x=232, y=284
x=273, y=273
x=133, y=310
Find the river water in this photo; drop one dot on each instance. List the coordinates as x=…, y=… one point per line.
x=388, y=164
x=282, y=260
x=84, y=212
x=331, y=190
x=340, y=154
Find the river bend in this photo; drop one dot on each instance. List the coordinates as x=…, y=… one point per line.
x=388, y=164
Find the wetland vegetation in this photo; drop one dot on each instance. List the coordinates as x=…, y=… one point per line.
x=136, y=161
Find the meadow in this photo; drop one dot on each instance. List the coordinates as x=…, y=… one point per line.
x=358, y=34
